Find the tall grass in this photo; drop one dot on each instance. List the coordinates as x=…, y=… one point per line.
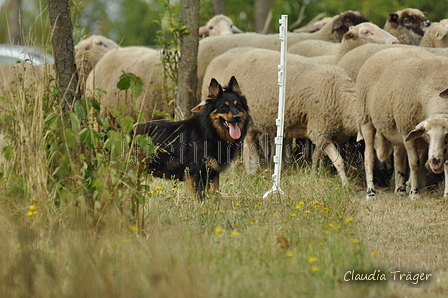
x=77, y=220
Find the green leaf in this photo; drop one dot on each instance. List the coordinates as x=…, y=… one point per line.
x=70, y=138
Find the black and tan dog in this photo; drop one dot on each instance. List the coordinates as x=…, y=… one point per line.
x=203, y=145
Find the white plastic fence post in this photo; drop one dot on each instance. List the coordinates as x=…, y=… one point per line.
x=281, y=109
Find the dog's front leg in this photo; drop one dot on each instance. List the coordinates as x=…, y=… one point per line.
x=215, y=183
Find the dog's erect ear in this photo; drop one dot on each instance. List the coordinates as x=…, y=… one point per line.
x=214, y=89
x=233, y=86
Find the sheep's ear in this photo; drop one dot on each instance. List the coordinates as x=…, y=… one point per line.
x=441, y=32
x=417, y=132
x=337, y=24
x=214, y=89
x=235, y=29
x=393, y=18
x=199, y=107
x=444, y=94
x=203, y=31
x=233, y=85
x=349, y=35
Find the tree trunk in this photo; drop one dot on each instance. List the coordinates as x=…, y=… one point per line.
x=64, y=52
x=219, y=6
x=261, y=12
x=189, y=42
x=14, y=21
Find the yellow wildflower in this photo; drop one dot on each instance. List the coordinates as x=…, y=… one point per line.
x=289, y=254
x=349, y=219
x=312, y=259
x=134, y=228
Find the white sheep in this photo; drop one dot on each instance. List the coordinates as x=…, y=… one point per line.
x=314, y=47
x=219, y=25
x=314, y=26
x=88, y=52
x=356, y=36
x=140, y=61
x=436, y=35
x=408, y=25
x=213, y=46
x=403, y=94
x=316, y=100
x=352, y=61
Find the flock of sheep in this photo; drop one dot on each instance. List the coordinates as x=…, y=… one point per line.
x=349, y=79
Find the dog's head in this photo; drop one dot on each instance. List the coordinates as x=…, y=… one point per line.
x=227, y=109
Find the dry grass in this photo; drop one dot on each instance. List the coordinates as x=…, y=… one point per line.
x=54, y=244
x=409, y=236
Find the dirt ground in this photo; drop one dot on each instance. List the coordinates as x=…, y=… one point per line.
x=409, y=236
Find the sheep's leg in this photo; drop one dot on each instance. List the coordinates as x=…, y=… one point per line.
x=368, y=133
x=445, y=169
x=400, y=170
x=411, y=150
x=317, y=154
x=250, y=152
x=336, y=158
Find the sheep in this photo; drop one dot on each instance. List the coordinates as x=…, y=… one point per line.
x=334, y=29
x=316, y=100
x=356, y=36
x=352, y=61
x=314, y=47
x=88, y=52
x=211, y=47
x=218, y=25
x=408, y=25
x=436, y=35
x=403, y=96
x=314, y=26
x=140, y=61
x=216, y=66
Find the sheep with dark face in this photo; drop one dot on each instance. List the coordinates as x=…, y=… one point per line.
x=214, y=46
x=408, y=25
x=218, y=25
x=356, y=36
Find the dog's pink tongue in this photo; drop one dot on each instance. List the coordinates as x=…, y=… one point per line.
x=234, y=131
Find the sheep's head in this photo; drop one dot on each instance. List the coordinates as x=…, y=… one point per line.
x=89, y=51
x=438, y=34
x=219, y=25
x=408, y=25
x=435, y=131
x=93, y=48
x=369, y=33
x=343, y=21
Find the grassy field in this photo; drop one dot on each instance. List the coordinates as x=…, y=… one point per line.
x=78, y=220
